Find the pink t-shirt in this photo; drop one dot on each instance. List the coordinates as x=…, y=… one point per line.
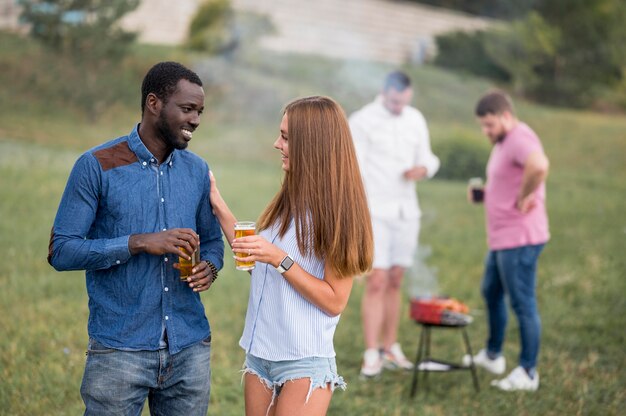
x=507, y=227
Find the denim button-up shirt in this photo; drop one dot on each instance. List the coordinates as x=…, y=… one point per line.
x=118, y=189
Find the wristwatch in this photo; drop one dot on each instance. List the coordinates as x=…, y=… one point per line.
x=285, y=264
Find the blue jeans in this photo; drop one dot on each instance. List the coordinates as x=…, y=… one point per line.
x=118, y=382
x=513, y=272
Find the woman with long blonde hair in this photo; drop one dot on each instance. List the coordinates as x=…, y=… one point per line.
x=313, y=238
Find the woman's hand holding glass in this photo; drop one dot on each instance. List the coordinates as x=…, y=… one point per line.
x=258, y=249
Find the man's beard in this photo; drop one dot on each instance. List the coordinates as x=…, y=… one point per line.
x=498, y=138
x=168, y=135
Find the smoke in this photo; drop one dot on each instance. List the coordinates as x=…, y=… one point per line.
x=252, y=84
x=421, y=279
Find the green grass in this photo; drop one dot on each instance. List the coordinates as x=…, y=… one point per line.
x=582, y=272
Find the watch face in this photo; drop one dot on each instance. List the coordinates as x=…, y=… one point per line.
x=286, y=263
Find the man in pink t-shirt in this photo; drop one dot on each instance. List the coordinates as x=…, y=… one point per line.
x=517, y=230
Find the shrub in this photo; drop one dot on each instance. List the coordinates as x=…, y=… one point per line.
x=211, y=29
x=462, y=157
x=466, y=51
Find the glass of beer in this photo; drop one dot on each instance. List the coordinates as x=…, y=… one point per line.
x=477, y=189
x=187, y=265
x=244, y=229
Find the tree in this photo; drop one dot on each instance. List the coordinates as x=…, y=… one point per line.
x=80, y=27
x=86, y=47
x=501, y=9
x=522, y=49
x=592, y=52
x=565, y=52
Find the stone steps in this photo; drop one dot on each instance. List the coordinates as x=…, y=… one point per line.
x=392, y=31
x=381, y=30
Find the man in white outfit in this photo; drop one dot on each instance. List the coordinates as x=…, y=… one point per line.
x=393, y=148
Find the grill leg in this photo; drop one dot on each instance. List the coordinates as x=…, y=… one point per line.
x=472, y=366
x=428, y=356
x=420, y=350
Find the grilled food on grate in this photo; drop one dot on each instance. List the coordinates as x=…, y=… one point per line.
x=440, y=310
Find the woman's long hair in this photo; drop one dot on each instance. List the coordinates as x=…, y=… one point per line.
x=322, y=191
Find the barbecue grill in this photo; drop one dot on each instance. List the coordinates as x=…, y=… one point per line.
x=439, y=312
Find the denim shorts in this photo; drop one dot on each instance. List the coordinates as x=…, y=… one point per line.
x=274, y=374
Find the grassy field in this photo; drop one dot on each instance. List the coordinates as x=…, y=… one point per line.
x=582, y=273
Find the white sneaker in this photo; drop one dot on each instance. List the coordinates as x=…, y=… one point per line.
x=518, y=380
x=496, y=366
x=372, y=363
x=395, y=358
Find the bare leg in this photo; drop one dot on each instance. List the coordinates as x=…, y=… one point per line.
x=392, y=303
x=373, y=307
x=257, y=396
x=292, y=399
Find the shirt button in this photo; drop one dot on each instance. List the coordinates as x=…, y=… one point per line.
x=144, y=163
x=167, y=289
x=117, y=262
x=167, y=318
x=161, y=173
x=162, y=200
x=166, y=259
x=165, y=229
x=152, y=160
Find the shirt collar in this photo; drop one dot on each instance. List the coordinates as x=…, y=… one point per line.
x=143, y=154
x=382, y=110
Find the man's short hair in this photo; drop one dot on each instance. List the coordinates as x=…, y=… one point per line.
x=494, y=102
x=162, y=78
x=397, y=80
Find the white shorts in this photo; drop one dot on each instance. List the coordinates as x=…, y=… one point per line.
x=395, y=242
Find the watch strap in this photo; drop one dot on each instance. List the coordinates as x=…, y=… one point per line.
x=285, y=264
